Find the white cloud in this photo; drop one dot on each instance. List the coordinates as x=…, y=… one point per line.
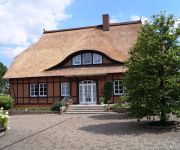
x=113, y=19
x=136, y=17
x=23, y=21
x=177, y=23
x=12, y=52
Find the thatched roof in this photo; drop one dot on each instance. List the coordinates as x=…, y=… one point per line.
x=55, y=46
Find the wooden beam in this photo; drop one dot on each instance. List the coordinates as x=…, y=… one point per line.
x=17, y=89
x=23, y=88
x=53, y=89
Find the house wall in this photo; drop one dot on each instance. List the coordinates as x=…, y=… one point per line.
x=19, y=89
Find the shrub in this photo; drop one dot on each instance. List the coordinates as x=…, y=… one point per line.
x=6, y=102
x=56, y=106
x=101, y=99
x=3, y=119
x=107, y=92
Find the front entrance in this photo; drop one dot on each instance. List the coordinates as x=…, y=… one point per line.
x=87, y=92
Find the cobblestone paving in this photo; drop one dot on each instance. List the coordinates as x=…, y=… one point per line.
x=86, y=132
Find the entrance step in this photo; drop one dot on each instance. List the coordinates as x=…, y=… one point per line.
x=75, y=109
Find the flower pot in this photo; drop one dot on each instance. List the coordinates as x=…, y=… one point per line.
x=67, y=105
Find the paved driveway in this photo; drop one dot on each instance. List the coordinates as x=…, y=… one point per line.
x=85, y=132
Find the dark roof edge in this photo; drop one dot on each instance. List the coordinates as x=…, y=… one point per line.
x=94, y=26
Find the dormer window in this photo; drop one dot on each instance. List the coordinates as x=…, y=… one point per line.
x=87, y=59
x=97, y=59
x=77, y=60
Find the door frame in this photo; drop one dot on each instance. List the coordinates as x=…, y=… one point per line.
x=96, y=86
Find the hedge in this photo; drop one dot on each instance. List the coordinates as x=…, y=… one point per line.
x=6, y=102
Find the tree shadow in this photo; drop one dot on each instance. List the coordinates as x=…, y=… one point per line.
x=116, y=116
x=126, y=128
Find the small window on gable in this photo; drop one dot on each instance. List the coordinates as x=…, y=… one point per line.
x=87, y=58
x=76, y=60
x=97, y=59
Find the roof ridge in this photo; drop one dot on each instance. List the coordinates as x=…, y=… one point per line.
x=93, y=26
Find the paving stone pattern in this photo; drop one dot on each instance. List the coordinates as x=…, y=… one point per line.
x=86, y=132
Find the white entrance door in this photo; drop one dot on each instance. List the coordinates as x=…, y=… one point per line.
x=87, y=92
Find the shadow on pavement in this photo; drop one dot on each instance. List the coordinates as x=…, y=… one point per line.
x=118, y=116
x=126, y=127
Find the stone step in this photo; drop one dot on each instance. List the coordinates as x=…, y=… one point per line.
x=87, y=105
x=85, y=110
x=82, y=112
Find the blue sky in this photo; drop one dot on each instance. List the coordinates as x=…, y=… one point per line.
x=22, y=26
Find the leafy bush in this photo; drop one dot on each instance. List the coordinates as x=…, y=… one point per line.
x=176, y=111
x=3, y=119
x=6, y=102
x=56, y=106
x=107, y=92
x=121, y=99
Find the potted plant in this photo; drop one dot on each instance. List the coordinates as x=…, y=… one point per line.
x=101, y=99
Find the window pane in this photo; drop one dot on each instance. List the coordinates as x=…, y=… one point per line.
x=77, y=60
x=65, y=89
x=42, y=89
x=87, y=58
x=97, y=59
x=118, y=87
x=33, y=90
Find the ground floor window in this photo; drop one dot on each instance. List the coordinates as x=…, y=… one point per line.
x=33, y=90
x=38, y=90
x=65, y=89
x=118, y=87
x=42, y=89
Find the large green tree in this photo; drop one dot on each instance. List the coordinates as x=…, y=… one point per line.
x=152, y=80
x=3, y=69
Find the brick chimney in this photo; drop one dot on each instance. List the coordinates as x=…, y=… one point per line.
x=105, y=18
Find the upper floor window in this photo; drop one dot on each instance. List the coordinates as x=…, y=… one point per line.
x=97, y=59
x=76, y=60
x=87, y=59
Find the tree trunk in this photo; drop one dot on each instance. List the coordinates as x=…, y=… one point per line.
x=163, y=117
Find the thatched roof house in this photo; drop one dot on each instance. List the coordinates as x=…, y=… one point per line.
x=53, y=54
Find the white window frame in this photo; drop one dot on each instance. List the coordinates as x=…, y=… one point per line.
x=97, y=58
x=66, y=90
x=44, y=86
x=118, y=86
x=76, y=60
x=86, y=56
x=33, y=88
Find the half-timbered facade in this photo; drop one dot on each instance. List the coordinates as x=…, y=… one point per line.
x=73, y=62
